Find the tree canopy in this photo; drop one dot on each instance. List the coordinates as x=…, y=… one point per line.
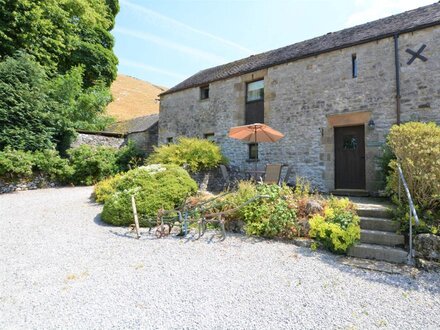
x=56, y=66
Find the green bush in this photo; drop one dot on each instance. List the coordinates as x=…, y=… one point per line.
x=129, y=157
x=197, y=154
x=154, y=187
x=417, y=147
x=92, y=164
x=338, y=228
x=24, y=165
x=16, y=164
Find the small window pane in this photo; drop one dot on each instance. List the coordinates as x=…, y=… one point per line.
x=255, y=91
x=170, y=139
x=350, y=142
x=204, y=92
x=354, y=66
x=209, y=136
x=253, y=151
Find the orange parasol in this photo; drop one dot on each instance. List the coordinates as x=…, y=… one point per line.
x=255, y=133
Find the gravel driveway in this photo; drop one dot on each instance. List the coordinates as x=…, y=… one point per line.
x=61, y=267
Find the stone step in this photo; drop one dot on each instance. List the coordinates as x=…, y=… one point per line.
x=350, y=192
x=378, y=252
x=381, y=224
x=381, y=238
x=377, y=212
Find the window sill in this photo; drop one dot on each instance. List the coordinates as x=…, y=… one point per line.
x=252, y=160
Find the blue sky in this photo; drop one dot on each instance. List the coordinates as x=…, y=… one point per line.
x=166, y=41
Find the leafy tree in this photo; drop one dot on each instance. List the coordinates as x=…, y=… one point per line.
x=29, y=118
x=61, y=34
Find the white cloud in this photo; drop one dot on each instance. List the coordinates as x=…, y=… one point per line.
x=175, y=24
x=149, y=68
x=370, y=10
x=169, y=44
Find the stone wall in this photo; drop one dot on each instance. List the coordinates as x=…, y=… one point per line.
x=145, y=140
x=39, y=181
x=98, y=140
x=302, y=96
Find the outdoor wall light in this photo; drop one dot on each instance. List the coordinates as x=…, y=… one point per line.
x=371, y=124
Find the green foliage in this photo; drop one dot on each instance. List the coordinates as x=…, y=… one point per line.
x=20, y=164
x=417, y=147
x=273, y=216
x=338, y=228
x=61, y=34
x=91, y=164
x=129, y=157
x=59, y=79
x=154, y=187
x=15, y=163
x=197, y=154
x=29, y=118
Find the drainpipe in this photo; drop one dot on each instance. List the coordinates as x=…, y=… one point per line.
x=397, y=65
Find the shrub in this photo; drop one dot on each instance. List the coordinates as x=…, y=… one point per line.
x=197, y=154
x=49, y=163
x=267, y=217
x=92, y=164
x=129, y=157
x=16, y=164
x=338, y=228
x=154, y=187
x=23, y=165
x=417, y=147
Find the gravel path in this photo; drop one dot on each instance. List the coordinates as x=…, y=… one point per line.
x=62, y=268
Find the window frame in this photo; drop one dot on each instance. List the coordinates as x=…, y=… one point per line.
x=252, y=157
x=247, y=91
x=203, y=95
x=209, y=136
x=354, y=66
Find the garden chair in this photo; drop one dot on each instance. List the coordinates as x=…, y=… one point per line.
x=288, y=174
x=272, y=174
x=226, y=177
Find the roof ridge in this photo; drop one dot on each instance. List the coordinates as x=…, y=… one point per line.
x=407, y=21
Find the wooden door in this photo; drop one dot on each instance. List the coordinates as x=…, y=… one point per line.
x=350, y=157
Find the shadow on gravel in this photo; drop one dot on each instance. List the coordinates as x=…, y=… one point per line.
x=409, y=278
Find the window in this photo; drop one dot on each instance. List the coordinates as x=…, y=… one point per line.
x=354, y=66
x=255, y=91
x=253, y=151
x=170, y=139
x=209, y=136
x=204, y=92
x=254, y=102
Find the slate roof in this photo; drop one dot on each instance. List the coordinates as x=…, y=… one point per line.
x=383, y=28
x=135, y=125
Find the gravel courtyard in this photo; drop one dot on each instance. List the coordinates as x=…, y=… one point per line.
x=61, y=267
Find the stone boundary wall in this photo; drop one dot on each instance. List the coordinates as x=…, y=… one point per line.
x=40, y=181
x=97, y=140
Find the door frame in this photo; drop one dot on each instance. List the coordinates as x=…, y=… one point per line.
x=364, y=179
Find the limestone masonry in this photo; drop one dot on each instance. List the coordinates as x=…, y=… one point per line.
x=308, y=97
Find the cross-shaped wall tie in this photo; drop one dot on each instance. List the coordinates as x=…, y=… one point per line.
x=417, y=54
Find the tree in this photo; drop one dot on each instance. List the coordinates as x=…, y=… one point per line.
x=29, y=118
x=61, y=34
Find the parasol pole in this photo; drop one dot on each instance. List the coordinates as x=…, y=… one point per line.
x=255, y=146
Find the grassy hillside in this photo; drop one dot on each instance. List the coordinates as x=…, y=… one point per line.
x=133, y=98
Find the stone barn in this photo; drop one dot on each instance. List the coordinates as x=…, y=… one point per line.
x=334, y=97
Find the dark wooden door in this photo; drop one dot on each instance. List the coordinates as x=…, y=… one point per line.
x=350, y=157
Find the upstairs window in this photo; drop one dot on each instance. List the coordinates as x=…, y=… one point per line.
x=170, y=140
x=354, y=66
x=254, y=102
x=255, y=91
x=204, y=92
